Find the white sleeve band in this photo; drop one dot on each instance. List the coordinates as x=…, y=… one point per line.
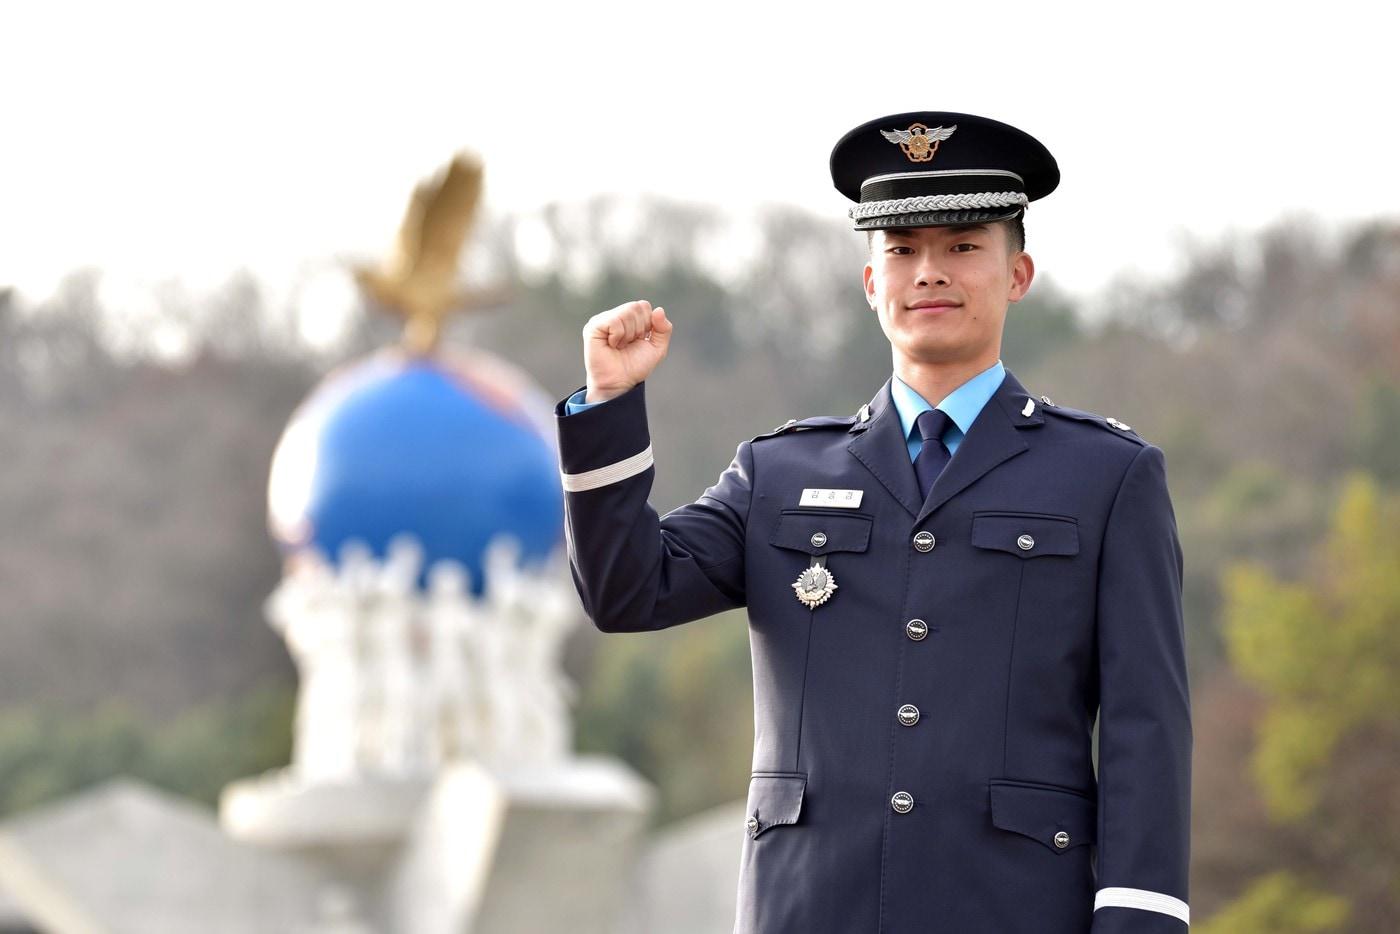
x=590, y=479
x=1141, y=898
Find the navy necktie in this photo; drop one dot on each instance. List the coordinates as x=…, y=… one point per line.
x=933, y=456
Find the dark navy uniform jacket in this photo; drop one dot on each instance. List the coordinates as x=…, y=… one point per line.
x=922, y=738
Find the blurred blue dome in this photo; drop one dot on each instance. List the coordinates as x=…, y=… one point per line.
x=453, y=449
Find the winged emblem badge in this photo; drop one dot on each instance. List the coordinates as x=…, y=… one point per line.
x=919, y=142
x=815, y=585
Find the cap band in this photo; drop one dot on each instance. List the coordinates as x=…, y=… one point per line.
x=942, y=173
x=981, y=199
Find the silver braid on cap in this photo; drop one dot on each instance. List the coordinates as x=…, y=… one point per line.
x=981, y=199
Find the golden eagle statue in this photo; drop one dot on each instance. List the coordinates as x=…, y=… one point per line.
x=419, y=280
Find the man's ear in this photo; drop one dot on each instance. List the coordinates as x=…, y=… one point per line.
x=869, y=279
x=1022, y=272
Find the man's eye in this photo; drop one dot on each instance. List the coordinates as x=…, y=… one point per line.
x=970, y=246
x=897, y=249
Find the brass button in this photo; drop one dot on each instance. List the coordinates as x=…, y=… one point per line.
x=818, y=539
x=908, y=715
x=1025, y=542
x=752, y=824
x=903, y=802
x=923, y=541
x=916, y=629
x=1062, y=839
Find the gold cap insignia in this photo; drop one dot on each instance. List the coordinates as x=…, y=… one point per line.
x=919, y=142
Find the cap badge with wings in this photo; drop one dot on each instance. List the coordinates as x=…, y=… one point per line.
x=919, y=142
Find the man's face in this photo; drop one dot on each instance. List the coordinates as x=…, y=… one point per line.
x=942, y=292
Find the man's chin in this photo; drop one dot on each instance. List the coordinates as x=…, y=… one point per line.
x=938, y=353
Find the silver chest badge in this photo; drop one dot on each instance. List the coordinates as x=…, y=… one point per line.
x=816, y=584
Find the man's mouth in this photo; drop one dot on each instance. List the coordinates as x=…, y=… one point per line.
x=932, y=305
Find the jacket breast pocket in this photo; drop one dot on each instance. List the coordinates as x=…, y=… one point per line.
x=808, y=536
x=1025, y=534
x=822, y=531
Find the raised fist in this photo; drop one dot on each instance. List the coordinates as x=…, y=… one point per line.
x=622, y=346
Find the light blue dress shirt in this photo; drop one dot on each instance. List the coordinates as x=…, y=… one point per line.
x=962, y=405
x=575, y=404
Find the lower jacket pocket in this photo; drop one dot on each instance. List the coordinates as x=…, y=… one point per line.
x=775, y=798
x=1058, y=818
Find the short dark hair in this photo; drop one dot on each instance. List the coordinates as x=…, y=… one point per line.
x=1015, y=233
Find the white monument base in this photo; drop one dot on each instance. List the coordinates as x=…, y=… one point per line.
x=477, y=849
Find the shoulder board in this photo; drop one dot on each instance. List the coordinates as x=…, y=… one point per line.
x=804, y=424
x=1108, y=423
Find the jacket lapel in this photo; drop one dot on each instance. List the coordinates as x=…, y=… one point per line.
x=879, y=444
x=993, y=437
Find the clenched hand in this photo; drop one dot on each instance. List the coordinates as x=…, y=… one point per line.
x=622, y=346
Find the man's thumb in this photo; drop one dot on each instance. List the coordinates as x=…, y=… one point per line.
x=660, y=328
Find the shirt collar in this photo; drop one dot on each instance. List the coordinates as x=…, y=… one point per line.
x=962, y=404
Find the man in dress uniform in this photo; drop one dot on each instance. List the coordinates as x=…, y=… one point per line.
x=944, y=589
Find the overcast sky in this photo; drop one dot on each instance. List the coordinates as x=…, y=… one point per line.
x=166, y=141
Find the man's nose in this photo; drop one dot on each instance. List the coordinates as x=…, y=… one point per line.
x=931, y=271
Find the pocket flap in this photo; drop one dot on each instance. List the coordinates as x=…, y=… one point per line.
x=821, y=531
x=1026, y=535
x=774, y=798
x=1044, y=812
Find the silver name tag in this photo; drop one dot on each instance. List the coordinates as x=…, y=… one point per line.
x=835, y=499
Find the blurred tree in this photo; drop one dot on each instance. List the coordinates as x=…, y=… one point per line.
x=1038, y=325
x=678, y=706
x=1279, y=903
x=205, y=748
x=693, y=300
x=1326, y=654
x=1375, y=437
x=46, y=753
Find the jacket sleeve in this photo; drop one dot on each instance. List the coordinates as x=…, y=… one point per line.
x=1144, y=774
x=633, y=570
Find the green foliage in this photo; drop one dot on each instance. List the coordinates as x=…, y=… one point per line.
x=702, y=302
x=47, y=754
x=1327, y=652
x=202, y=750
x=1038, y=325
x=1375, y=436
x=1279, y=904
x=676, y=705
x=1324, y=650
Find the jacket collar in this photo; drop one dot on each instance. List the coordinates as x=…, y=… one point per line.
x=994, y=436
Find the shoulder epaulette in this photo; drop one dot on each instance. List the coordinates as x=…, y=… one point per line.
x=1108, y=423
x=803, y=424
